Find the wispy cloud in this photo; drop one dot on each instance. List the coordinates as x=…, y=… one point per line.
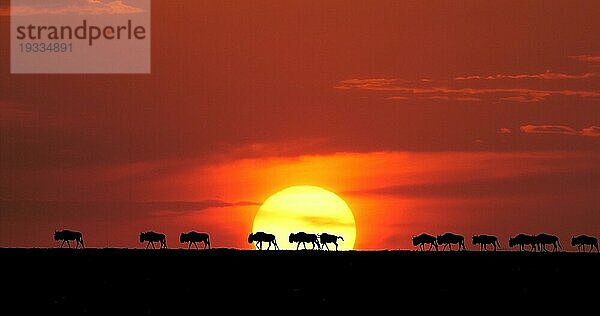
x=403, y=90
x=505, y=130
x=78, y=7
x=105, y=210
x=548, y=129
x=548, y=75
x=592, y=59
x=592, y=131
x=525, y=185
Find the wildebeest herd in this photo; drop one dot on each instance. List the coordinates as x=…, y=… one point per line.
x=536, y=242
x=321, y=241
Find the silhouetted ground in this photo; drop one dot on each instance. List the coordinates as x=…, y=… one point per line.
x=175, y=281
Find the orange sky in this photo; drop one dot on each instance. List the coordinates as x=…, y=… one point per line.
x=424, y=116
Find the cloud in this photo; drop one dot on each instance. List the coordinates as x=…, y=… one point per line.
x=526, y=98
x=79, y=7
x=404, y=90
x=592, y=59
x=31, y=210
x=592, y=131
x=504, y=130
x=548, y=75
x=548, y=129
x=585, y=182
x=367, y=84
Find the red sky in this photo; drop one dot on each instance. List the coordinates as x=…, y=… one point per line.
x=428, y=116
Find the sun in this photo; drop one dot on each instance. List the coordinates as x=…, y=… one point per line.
x=309, y=209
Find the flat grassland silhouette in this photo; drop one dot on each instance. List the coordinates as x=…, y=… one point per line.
x=180, y=280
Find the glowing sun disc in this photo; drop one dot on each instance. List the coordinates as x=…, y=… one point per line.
x=309, y=209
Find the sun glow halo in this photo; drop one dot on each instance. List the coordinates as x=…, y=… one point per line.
x=309, y=209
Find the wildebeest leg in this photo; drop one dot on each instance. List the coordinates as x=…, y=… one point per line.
x=196, y=245
x=298, y=246
x=269, y=246
x=189, y=245
x=325, y=244
x=69, y=244
x=147, y=245
x=62, y=244
x=336, y=246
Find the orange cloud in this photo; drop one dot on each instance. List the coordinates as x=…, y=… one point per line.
x=80, y=7
x=548, y=129
x=592, y=131
x=548, y=75
x=406, y=89
x=592, y=59
x=505, y=130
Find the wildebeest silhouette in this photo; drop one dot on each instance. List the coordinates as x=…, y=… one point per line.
x=302, y=237
x=152, y=237
x=195, y=237
x=583, y=240
x=542, y=240
x=522, y=240
x=326, y=238
x=448, y=239
x=423, y=239
x=485, y=240
x=260, y=237
x=66, y=235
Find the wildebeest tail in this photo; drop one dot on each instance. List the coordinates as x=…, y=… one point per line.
x=559, y=245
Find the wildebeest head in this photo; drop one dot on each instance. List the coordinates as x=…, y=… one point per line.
x=183, y=238
x=475, y=239
x=573, y=241
x=512, y=241
x=292, y=237
x=142, y=236
x=56, y=235
x=251, y=238
x=414, y=240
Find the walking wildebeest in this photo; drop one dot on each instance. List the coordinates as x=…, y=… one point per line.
x=485, y=240
x=423, y=239
x=583, y=240
x=542, y=240
x=66, y=235
x=195, y=237
x=522, y=240
x=260, y=237
x=448, y=239
x=326, y=238
x=302, y=237
x=152, y=237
